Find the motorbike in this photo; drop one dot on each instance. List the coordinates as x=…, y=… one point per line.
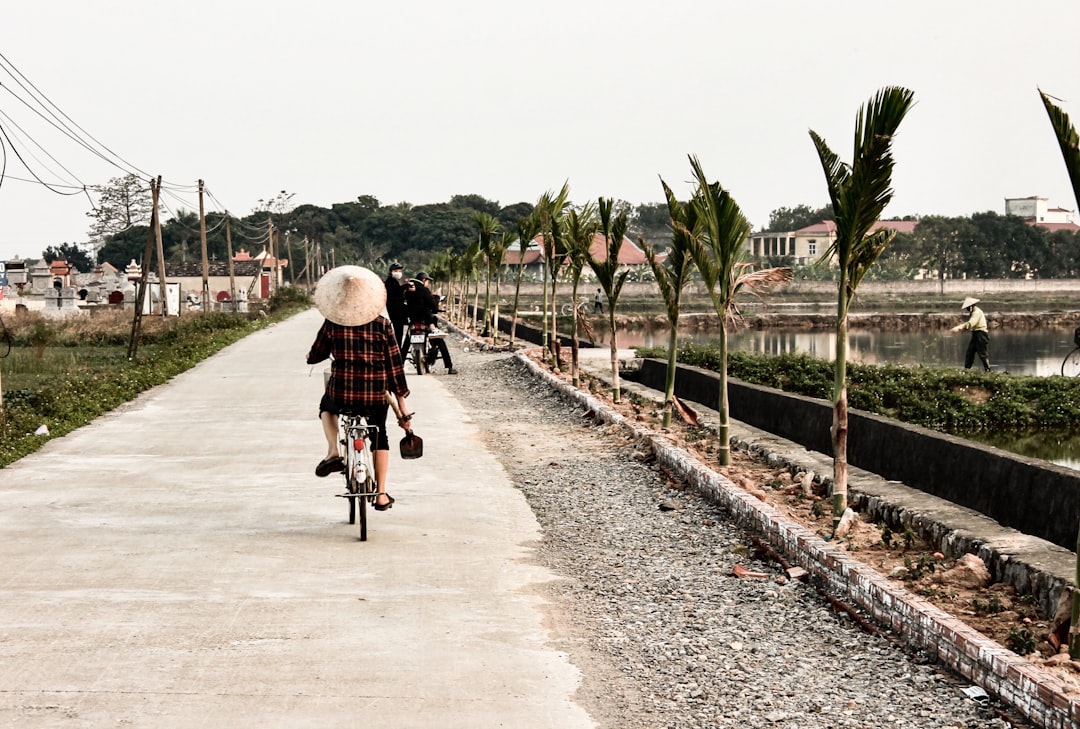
x=418, y=347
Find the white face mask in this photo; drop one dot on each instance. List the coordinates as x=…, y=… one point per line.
x=397, y=275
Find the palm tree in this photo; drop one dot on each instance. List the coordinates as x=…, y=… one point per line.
x=496, y=254
x=613, y=226
x=672, y=275
x=581, y=226
x=488, y=226
x=551, y=209
x=527, y=229
x=718, y=252
x=1069, y=142
x=469, y=270
x=859, y=194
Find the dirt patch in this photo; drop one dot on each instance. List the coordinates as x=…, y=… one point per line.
x=995, y=610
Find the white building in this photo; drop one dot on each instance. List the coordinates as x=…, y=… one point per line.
x=1036, y=210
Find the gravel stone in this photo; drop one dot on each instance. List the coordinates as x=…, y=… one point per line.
x=647, y=608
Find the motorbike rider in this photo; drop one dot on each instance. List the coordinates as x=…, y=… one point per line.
x=395, y=304
x=423, y=309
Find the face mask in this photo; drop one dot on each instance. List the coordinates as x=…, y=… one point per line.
x=397, y=275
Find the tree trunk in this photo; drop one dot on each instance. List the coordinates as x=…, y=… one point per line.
x=840, y=422
x=723, y=429
x=615, y=395
x=544, y=344
x=554, y=340
x=575, y=375
x=669, y=381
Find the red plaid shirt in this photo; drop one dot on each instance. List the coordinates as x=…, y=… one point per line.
x=366, y=362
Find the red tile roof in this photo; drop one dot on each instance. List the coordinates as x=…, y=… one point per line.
x=630, y=253
x=1054, y=227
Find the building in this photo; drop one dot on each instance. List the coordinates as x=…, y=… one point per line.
x=1036, y=210
x=630, y=254
x=807, y=245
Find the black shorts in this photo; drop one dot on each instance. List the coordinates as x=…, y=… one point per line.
x=375, y=414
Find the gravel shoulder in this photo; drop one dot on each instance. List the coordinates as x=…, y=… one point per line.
x=647, y=606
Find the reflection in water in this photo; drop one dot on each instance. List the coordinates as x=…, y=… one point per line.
x=1037, y=352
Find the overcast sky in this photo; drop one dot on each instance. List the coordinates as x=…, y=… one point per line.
x=418, y=101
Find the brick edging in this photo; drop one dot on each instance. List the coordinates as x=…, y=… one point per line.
x=1033, y=692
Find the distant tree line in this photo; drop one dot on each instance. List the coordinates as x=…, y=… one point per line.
x=985, y=245
x=366, y=232
x=363, y=231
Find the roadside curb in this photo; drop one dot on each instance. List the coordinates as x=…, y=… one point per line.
x=1036, y=694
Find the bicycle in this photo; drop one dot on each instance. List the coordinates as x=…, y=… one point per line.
x=1070, y=366
x=568, y=309
x=357, y=439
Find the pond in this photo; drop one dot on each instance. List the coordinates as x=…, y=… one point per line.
x=1037, y=352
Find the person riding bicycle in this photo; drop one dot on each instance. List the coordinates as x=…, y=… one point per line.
x=365, y=365
x=423, y=309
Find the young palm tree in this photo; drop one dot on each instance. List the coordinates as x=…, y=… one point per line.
x=859, y=194
x=527, y=229
x=672, y=275
x=496, y=254
x=1069, y=142
x=718, y=252
x=613, y=226
x=581, y=226
x=551, y=209
x=488, y=226
x=470, y=270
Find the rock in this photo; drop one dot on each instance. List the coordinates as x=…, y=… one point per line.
x=969, y=571
x=670, y=505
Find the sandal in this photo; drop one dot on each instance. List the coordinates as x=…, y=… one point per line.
x=329, y=465
x=387, y=505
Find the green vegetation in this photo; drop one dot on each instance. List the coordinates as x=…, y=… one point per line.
x=63, y=373
x=959, y=402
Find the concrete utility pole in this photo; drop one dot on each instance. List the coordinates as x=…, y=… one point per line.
x=205, y=262
x=232, y=271
x=160, y=259
x=140, y=296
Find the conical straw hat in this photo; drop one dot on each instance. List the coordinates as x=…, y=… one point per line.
x=968, y=302
x=350, y=295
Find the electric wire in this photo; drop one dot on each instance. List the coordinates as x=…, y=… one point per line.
x=13, y=123
x=16, y=137
x=19, y=75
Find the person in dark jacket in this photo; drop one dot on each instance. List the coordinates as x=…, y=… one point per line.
x=423, y=308
x=395, y=302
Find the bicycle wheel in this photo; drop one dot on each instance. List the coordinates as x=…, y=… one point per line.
x=1071, y=366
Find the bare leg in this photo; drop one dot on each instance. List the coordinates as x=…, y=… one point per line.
x=382, y=468
x=330, y=430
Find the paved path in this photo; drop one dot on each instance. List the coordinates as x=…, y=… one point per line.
x=178, y=564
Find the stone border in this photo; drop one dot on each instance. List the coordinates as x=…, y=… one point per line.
x=1036, y=694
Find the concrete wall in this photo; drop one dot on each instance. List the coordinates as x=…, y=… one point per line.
x=1029, y=495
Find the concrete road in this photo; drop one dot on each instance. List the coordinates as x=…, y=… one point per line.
x=178, y=564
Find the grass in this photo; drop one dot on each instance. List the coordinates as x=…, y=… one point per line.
x=63, y=373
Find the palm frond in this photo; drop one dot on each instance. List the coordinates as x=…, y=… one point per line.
x=754, y=281
x=1068, y=140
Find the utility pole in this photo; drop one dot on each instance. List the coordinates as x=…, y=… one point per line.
x=160, y=256
x=232, y=271
x=205, y=263
x=273, y=256
x=140, y=297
